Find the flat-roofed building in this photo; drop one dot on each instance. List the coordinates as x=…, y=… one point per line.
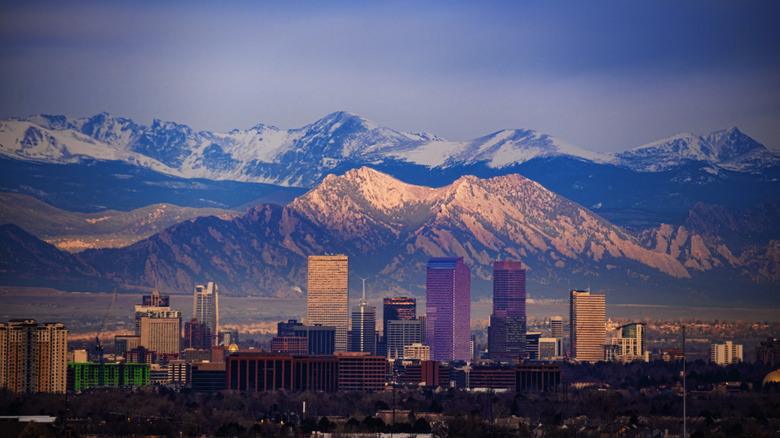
x=492, y=377
x=361, y=371
x=726, y=354
x=161, y=334
x=290, y=344
x=400, y=334
x=417, y=351
x=208, y=376
x=538, y=377
x=587, y=319
x=33, y=356
x=328, y=295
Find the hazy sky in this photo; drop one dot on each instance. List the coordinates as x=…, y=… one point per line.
x=605, y=76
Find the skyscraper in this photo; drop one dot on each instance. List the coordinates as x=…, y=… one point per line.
x=556, y=327
x=33, y=357
x=508, y=288
x=448, y=309
x=398, y=309
x=506, y=334
x=587, y=326
x=197, y=335
x=400, y=334
x=205, y=307
x=364, y=328
x=328, y=288
x=161, y=332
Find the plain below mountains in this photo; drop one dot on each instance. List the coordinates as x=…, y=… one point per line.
x=390, y=229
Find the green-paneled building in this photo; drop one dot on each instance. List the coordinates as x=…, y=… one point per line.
x=87, y=375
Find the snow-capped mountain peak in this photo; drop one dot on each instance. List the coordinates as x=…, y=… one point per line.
x=303, y=157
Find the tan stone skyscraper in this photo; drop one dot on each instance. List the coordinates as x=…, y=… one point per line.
x=587, y=319
x=32, y=356
x=328, y=287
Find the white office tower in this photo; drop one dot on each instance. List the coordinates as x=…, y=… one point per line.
x=556, y=327
x=550, y=348
x=364, y=328
x=205, y=307
x=725, y=354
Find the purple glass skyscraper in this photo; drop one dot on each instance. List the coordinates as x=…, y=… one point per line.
x=507, y=331
x=508, y=288
x=448, y=309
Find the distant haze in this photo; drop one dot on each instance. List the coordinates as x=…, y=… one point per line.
x=605, y=76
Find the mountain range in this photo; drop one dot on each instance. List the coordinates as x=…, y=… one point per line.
x=390, y=228
x=75, y=232
x=639, y=187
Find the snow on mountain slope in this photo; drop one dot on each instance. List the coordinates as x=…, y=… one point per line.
x=303, y=157
x=500, y=149
x=729, y=149
x=27, y=141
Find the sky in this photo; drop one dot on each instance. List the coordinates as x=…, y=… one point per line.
x=604, y=76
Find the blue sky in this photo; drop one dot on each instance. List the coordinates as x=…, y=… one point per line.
x=605, y=76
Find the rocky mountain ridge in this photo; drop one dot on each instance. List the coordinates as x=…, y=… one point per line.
x=390, y=228
x=303, y=157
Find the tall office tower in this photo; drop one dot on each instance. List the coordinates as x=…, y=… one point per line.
x=401, y=333
x=197, y=335
x=506, y=334
x=508, y=288
x=448, y=309
x=205, y=307
x=398, y=309
x=161, y=332
x=33, y=357
x=328, y=302
x=630, y=343
x=587, y=320
x=363, y=328
x=556, y=327
x=152, y=312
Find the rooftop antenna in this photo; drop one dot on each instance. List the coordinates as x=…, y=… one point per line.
x=364, y=290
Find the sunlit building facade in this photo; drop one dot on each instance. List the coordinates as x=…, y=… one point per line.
x=328, y=289
x=587, y=317
x=33, y=356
